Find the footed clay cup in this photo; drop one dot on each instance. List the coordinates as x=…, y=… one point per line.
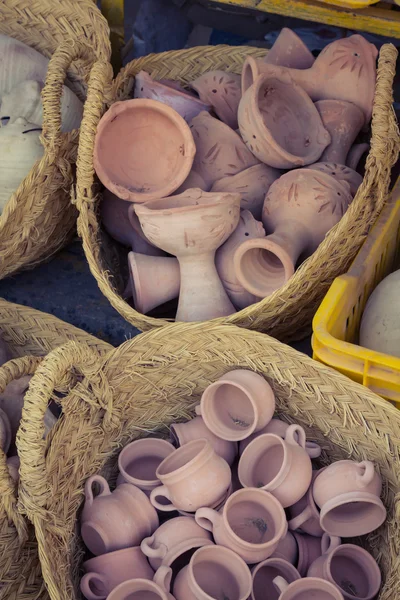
x=193, y=476
x=289, y=51
x=195, y=429
x=304, y=515
x=251, y=524
x=172, y=539
x=280, y=124
x=104, y=573
x=115, y=520
x=310, y=548
x=143, y=589
x=347, y=493
x=139, y=461
x=263, y=576
x=281, y=467
x=223, y=92
x=344, y=121
x=351, y=568
x=341, y=173
x=237, y=404
x=143, y=150
x=213, y=572
x=307, y=589
x=287, y=549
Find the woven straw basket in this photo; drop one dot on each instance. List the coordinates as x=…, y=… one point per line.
x=157, y=378
x=39, y=219
x=296, y=302
x=26, y=331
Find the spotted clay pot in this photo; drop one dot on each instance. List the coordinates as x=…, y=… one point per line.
x=223, y=91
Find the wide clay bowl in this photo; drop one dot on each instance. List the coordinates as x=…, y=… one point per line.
x=143, y=150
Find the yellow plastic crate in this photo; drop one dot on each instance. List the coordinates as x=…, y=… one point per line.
x=337, y=321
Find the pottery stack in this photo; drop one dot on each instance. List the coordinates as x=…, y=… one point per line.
x=244, y=511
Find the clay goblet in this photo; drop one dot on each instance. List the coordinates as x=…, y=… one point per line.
x=310, y=587
x=237, y=404
x=222, y=91
x=304, y=515
x=289, y=51
x=192, y=226
x=263, y=576
x=344, y=121
x=139, y=461
x=143, y=589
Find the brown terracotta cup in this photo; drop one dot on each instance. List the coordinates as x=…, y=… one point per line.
x=351, y=568
x=307, y=589
x=193, y=476
x=143, y=589
x=263, y=576
x=139, y=460
x=281, y=467
x=251, y=524
x=304, y=515
x=347, y=493
x=237, y=404
x=104, y=573
x=310, y=548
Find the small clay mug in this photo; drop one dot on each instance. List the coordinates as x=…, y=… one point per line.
x=305, y=589
x=251, y=524
x=104, y=573
x=310, y=548
x=237, y=404
x=213, y=572
x=351, y=568
x=217, y=505
x=281, y=467
x=287, y=549
x=193, y=476
x=139, y=460
x=141, y=589
x=263, y=576
x=347, y=493
x=304, y=515
x=115, y=520
x=195, y=429
x=172, y=539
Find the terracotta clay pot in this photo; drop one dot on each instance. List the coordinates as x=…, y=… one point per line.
x=344, y=70
x=310, y=587
x=251, y=524
x=252, y=184
x=344, y=121
x=247, y=229
x=237, y=404
x=280, y=124
x=213, y=572
x=304, y=514
x=281, y=467
x=193, y=476
x=300, y=208
x=351, y=568
x=280, y=428
x=223, y=92
x=287, y=549
x=115, y=520
x=143, y=589
x=13, y=464
x=340, y=173
x=192, y=226
x=139, y=461
x=347, y=493
x=172, y=539
x=264, y=574
x=220, y=152
x=185, y=103
x=104, y=573
x=159, y=140
x=5, y=432
x=355, y=154
x=195, y=429
x=310, y=548
x=153, y=280
x=139, y=242
x=289, y=51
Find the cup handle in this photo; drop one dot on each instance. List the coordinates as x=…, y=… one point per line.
x=91, y=581
x=153, y=551
x=298, y=521
x=207, y=518
x=365, y=472
x=162, y=491
x=329, y=543
x=104, y=488
x=198, y=410
x=280, y=583
x=296, y=436
x=313, y=449
x=163, y=577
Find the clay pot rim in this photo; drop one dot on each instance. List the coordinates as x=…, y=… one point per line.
x=348, y=527
x=153, y=106
x=305, y=582
x=273, y=561
x=173, y=90
x=205, y=452
x=372, y=566
x=178, y=549
x=346, y=105
x=217, y=505
x=203, y=201
x=137, y=443
x=146, y=585
x=285, y=467
x=103, y=557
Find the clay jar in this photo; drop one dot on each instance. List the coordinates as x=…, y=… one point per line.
x=341, y=173
x=280, y=124
x=351, y=568
x=281, y=467
x=213, y=572
x=344, y=70
x=220, y=152
x=287, y=549
x=304, y=515
x=344, y=121
x=223, y=92
x=172, y=539
x=252, y=184
x=143, y=589
x=104, y=573
x=289, y=51
x=139, y=460
x=347, y=493
x=237, y=404
x=310, y=587
x=299, y=209
x=251, y=524
x=115, y=520
x=195, y=429
x=143, y=150
x=247, y=229
x=154, y=280
x=264, y=574
x=193, y=476
x=192, y=226
x=185, y=103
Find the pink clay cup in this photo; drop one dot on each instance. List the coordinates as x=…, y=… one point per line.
x=139, y=460
x=304, y=515
x=143, y=589
x=310, y=548
x=287, y=549
x=307, y=589
x=263, y=576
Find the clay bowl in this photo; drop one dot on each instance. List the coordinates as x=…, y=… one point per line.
x=143, y=150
